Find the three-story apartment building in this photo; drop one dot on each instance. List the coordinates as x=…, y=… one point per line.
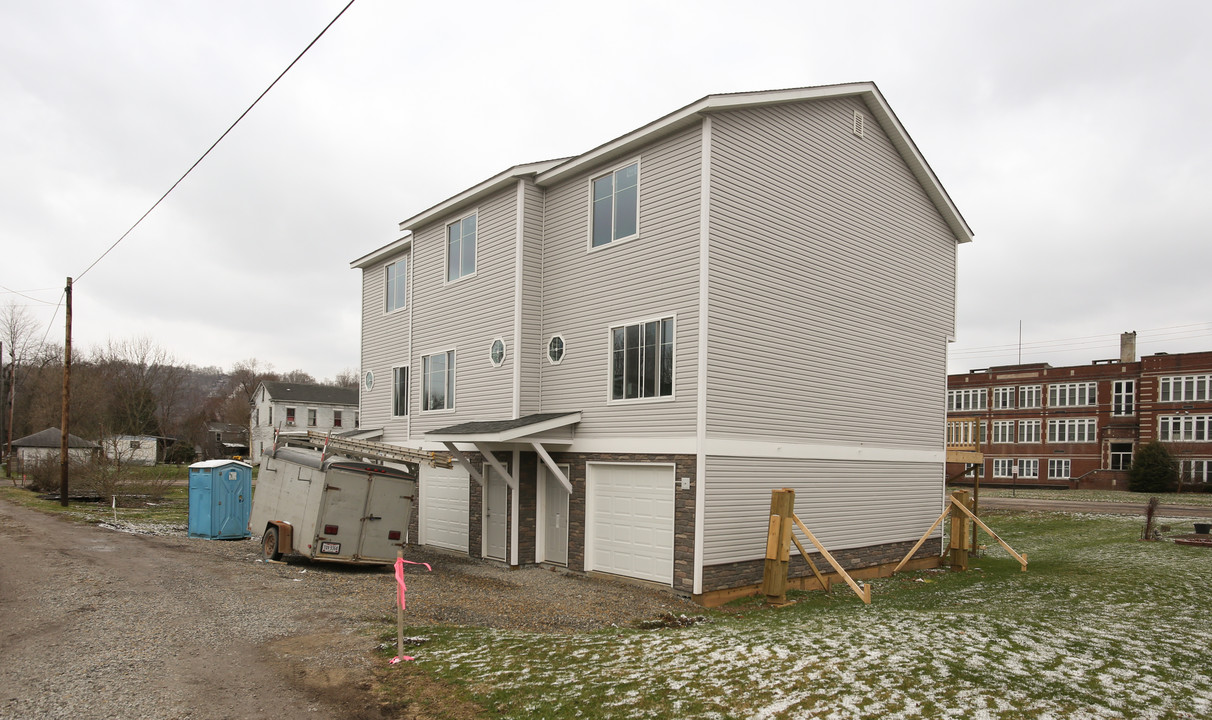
x=628, y=349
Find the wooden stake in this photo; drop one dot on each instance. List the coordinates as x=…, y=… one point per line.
x=925, y=535
x=1021, y=558
x=778, y=552
x=864, y=591
x=959, y=530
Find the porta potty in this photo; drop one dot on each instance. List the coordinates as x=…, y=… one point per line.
x=220, y=496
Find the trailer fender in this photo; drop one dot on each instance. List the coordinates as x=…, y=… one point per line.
x=285, y=535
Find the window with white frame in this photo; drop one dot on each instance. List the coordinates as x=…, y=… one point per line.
x=1183, y=428
x=1058, y=469
x=399, y=391
x=1121, y=456
x=1072, y=394
x=1184, y=388
x=461, y=248
x=1195, y=471
x=616, y=205
x=968, y=399
x=1072, y=430
x=641, y=360
x=1003, y=398
x=1123, y=397
x=1003, y=431
x=437, y=381
x=395, y=284
x=1029, y=396
x=984, y=432
x=290, y=416
x=311, y=417
x=555, y=349
x=336, y=418
x=1002, y=467
x=1028, y=468
x=1028, y=431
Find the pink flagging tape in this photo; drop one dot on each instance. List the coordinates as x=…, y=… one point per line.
x=399, y=659
x=400, y=579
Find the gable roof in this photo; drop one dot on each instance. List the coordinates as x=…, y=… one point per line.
x=304, y=393
x=552, y=171
x=51, y=438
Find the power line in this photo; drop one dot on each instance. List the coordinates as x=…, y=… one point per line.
x=213, y=145
x=8, y=290
x=1173, y=332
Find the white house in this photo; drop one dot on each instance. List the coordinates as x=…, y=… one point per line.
x=45, y=447
x=131, y=449
x=298, y=407
x=628, y=349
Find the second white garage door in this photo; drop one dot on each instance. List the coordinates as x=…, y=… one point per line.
x=443, y=513
x=630, y=520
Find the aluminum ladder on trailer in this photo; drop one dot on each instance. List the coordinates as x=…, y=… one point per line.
x=382, y=452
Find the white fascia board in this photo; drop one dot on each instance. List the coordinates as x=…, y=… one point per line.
x=688, y=115
x=377, y=256
x=526, y=431
x=477, y=193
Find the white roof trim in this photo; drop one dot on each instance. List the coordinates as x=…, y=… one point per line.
x=377, y=256
x=525, y=431
x=718, y=103
x=477, y=192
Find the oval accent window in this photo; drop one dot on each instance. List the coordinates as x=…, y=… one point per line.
x=369, y=380
x=497, y=353
x=555, y=349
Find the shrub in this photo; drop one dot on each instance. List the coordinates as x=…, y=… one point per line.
x=1153, y=469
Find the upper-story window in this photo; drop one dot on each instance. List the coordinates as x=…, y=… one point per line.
x=1184, y=388
x=1123, y=397
x=1072, y=430
x=1003, y=398
x=336, y=418
x=311, y=417
x=1003, y=431
x=290, y=416
x=1184, y=428
x=1029, y=396
x=641, y=360
x=1072, y=394
x=437, y=381
x=616, y=205
x=395, y=284
x=461, y=248
x=1028, y=431
x=968, y=399
x=399, y=391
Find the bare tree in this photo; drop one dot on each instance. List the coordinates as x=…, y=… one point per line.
x=299, y=376
x=347, y=378
x=145, y=385
x=246, y=375
x=18, y=333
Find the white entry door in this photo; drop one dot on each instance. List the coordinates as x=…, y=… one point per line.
x=496, y=514
x=443, y=507
x=629, y=510
x=555, y=518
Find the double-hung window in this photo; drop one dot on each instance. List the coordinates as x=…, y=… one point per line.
x=437, y=381
x=1072, y=394
x=1074, y=430
x=1028, y=431
x=1028, y=468
x=616, y=205
x=1184, y=428
x=1003, y=398
x=1123, y=397
x=311, y=417
x=641, y=360
x=395, y=284
x=1059, y=469
x=1029, y=396
x=1184, y=388
x=461, y=248
x=1003, y=431
x=336, y=418
x=399, y=391
x=968, y=399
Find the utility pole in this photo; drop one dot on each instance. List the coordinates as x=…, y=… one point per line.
x=3, y=447
x=67, y=394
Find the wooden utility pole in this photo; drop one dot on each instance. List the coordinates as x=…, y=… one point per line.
x=67, y=395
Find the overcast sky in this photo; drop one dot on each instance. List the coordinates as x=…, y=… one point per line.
x=1072, y=137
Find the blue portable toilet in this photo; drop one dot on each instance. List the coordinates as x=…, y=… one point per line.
x=220, y=496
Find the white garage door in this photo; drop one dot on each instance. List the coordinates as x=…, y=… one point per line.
x=630, y=528
x=443, y=512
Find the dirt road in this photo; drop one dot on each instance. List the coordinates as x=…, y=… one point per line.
x=103, y=624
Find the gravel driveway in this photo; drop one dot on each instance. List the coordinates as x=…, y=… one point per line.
x=99, y=623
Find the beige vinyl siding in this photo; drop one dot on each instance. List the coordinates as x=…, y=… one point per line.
x=832, y=283
x=467, y=315
x=652, y=276
x=846, y=504
x=384, y=346
x=532, y=346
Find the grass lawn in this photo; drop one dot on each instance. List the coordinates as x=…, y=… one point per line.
x=1101, y=625
x=170, y=510
x=1115, y=496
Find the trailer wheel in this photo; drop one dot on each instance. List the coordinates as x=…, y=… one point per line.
x=269, y=544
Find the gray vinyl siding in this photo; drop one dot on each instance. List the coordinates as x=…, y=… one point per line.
x=384, y=346
x=532, y=346
x=467, y=315
x=652, y=276
x=832, y=283
x=846, y=504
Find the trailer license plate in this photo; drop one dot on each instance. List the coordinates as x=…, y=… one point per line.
x=330, y=548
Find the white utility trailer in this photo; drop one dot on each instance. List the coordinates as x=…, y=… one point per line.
x=331, y=508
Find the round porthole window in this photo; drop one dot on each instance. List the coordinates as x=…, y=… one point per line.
x=369, y=380
x=497, y=353
x=555, y=349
